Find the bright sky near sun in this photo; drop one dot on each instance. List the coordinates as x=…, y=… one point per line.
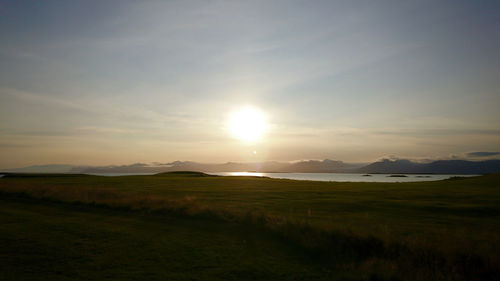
x=248, y=124
x=117, y=82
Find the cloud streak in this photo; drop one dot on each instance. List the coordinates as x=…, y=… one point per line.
x=482, y=154
x=155, y=81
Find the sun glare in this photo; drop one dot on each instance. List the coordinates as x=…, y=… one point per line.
x=248, y=124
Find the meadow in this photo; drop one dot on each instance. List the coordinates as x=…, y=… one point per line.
x=192, y=226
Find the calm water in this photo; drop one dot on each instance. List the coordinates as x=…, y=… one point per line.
x=344, y=177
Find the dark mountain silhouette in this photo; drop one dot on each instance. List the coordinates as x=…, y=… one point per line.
x=51, y=168
x=311, y=166
x=387, y=166
x=325, y=166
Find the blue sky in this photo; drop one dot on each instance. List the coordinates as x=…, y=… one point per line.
x=115, y=82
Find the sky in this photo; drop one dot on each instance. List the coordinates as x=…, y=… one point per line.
x=118, y=82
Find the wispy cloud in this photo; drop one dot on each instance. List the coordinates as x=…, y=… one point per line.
x=96, y=107
x=41, y=99
x=437, y=132
x=482, y=154
x=104, y=130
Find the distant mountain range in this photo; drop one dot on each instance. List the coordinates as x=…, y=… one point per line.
x=385, y=166
x=57, y=168
x=437, y=167
x=311, y=166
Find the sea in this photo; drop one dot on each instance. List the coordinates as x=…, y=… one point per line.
x=338, y=177
x=344, y=177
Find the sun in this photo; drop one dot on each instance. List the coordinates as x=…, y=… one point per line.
x=248, y=124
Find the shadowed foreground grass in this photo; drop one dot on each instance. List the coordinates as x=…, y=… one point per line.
x=444, y=230
x=52, y=241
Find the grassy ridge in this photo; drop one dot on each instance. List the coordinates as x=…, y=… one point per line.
x=442, y=230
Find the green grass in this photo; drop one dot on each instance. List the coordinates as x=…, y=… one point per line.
x=444, y=230
x=50, y=241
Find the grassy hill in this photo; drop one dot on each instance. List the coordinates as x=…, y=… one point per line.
x=185, y=226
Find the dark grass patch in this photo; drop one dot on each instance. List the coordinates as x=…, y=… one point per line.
x=43, y=240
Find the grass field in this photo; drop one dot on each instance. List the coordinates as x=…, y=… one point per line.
x=189, y=226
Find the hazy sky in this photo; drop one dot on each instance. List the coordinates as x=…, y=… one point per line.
x=117, y=82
